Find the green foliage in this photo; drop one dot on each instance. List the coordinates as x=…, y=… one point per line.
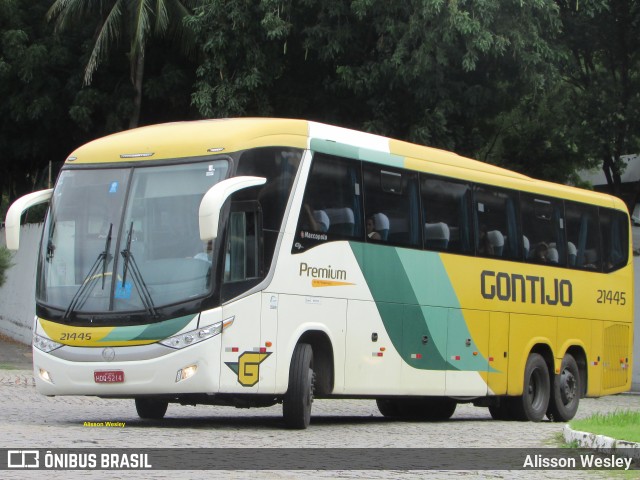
x=422, y=70
x=536, y=137
x=138, y=21
x=544, y=87
x=602, y=67
x=241, y=56
x=34, y=76
x=46, y=112
x=5, y=264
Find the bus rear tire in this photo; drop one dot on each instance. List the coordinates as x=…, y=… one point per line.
x=151, y=408
x=501, y=411
x=565, y=393
x=532, y=404
x=296, y=404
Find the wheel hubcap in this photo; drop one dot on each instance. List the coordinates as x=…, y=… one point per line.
x=567, y=387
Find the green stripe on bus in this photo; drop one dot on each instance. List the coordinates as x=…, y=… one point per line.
x=417, y=304
x=334, y=148
x=155, y=331
x=357, y=153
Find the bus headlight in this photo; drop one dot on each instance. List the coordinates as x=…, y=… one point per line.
x=45, y=375
x=192, y=337
x=186, y=372
x=45, y=344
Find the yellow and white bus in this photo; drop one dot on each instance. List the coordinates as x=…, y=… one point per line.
x=249, y=262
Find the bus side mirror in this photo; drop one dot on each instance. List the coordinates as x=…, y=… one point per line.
x=213, y=200
x=12, y=221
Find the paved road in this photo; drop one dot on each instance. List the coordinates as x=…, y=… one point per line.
x=30, y=420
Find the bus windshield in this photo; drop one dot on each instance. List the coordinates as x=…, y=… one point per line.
x=126, y=239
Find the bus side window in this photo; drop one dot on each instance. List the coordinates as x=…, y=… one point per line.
x=543, y=228
x=392, y=205
x=614, y=232
x=446, y=214
x=331, y=207
x=496, y=221
x=583, y=246
x=241, y=259
x=243, y=256
x=279, y=166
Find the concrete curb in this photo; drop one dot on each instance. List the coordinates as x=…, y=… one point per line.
x=602, y=443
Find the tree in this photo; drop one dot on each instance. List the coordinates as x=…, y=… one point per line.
x=5, y=264
x=136, y=20
x=602, y=38
x=427, y=71
x=538, y=137
x=36, y=70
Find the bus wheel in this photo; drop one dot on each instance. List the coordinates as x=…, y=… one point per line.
x=533, y=403
x=565, y=395
x=501, y=410
x=437, y=408
x=388, y=407
x=296, y=405
x=151, y=408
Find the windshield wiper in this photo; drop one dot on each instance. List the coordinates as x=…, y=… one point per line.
x=105, y=254
x=130, y=264
x=83, y=292
x=51, y=248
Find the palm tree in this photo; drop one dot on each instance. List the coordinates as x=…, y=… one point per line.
x=136, y=20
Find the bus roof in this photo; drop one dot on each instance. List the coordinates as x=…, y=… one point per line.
x=191, y=139
x=211, y=137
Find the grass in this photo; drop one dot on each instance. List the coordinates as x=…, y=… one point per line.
x=8, y=366
x=621, y=425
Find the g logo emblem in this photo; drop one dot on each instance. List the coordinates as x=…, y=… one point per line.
x=248, y=367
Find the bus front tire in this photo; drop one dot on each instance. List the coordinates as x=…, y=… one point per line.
x=532, y=404
x=565, y=393
x=389, y=407
x=438, y=408
x=296, y=404
x=151, y=408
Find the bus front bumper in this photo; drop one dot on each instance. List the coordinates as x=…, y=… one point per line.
x=129, y=371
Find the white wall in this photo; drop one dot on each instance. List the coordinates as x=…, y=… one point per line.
x=17, y=307
x=17, y=296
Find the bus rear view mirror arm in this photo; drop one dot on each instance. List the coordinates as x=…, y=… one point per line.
x=213, y=200
x=12, y=221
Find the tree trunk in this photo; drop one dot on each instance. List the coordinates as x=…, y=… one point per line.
x=612, y=175
x=136, y=78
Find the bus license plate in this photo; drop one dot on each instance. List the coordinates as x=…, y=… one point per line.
x=109, y=376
